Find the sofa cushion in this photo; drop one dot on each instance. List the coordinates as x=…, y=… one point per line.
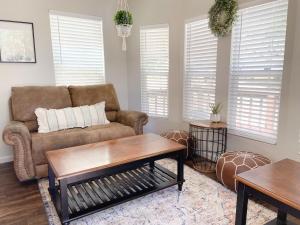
x=24, y=100
x=74, y=137
x=50, y=120
x=90, y=95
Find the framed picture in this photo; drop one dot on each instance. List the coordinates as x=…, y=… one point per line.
x=17, y=42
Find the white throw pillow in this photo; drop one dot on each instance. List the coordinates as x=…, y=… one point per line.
x=60, y=119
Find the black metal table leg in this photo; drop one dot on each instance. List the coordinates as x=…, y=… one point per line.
x=280, y=220
x=152, y=163
x=64, y=201
x=51, y=183
x=241, y=205
x=281, y=217
x=180, y=166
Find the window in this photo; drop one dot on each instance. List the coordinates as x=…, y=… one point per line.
x=258, y=45
x=77, y=45
x=154, y=51
x=200, y=70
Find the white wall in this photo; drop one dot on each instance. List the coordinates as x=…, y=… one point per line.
x=175, y=12
x=42, y=73
x=119, y=68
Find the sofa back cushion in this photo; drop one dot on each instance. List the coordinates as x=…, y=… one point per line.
x=24, y=101
x=92, y=94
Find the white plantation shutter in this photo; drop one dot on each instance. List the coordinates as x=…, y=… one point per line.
x=77, y=45
x=200, y=70
x=258, y=46
x=154, y=53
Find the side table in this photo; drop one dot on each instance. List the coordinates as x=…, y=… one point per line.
x=277, y=184
x=208, y=143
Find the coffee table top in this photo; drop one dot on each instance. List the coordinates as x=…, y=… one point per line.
x=92, y=157
x=280, y=180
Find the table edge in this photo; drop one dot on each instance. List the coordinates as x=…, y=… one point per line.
x=112, y=164
x=268, y=192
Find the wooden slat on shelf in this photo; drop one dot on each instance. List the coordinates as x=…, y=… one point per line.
x=143, y=184
x=106, y=190
x=98, y=190
x=130, y=181
x=92, y=195
x=117, y=188
x=72, y=204
x=79, y=202
x=84, y=195
x=125, y=184
x=145, y=175
x=144, y=178
x=151, y=175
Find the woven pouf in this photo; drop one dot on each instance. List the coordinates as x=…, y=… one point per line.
x=179, y=136
x=232, y=163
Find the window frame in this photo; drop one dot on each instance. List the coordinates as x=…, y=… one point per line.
x=156, y=26
x=186, y=22
x=245, y=134
x=78, y=16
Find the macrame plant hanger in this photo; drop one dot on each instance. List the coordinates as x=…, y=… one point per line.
x=124, y=30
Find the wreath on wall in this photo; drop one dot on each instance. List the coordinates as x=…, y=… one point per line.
x=222, y=15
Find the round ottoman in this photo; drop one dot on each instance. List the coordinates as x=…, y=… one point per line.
x=232, y=163
x=179, y=136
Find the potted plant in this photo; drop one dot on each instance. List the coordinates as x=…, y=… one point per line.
x=215, y=115
x=123, y=21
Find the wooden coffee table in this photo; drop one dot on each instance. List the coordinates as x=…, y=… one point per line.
x=90, y=178
x=277, y=183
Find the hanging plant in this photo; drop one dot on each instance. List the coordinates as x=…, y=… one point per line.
x=123, y=17
x=222, y=15
x=123, y=21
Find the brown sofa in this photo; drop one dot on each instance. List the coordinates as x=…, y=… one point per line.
x=30, y=147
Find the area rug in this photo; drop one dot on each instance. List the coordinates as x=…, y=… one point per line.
x=203, y=201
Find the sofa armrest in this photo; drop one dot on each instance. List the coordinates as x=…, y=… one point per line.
x=134, y=119
x=18, y=136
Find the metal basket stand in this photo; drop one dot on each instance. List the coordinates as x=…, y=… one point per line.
x=208, y=143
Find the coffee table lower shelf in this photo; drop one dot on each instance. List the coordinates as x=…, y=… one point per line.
x=101, y=193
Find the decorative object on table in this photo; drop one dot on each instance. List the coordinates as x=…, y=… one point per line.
x=222, y=15
x=217, y=205
x=215, y=115
x=233, y=163
x=123, y=20
x=17, y=42
x=179, y=136
x=276, y=184
x=208, y=143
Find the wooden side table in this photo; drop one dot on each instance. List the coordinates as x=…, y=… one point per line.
x=277, y=184
x=208, y=142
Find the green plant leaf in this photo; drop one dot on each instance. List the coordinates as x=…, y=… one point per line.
x=216, y=108
x=123, y=17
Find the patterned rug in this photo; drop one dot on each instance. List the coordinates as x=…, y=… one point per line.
x=202, y=202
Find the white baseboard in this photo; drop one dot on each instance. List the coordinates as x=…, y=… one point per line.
x=5, y=159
